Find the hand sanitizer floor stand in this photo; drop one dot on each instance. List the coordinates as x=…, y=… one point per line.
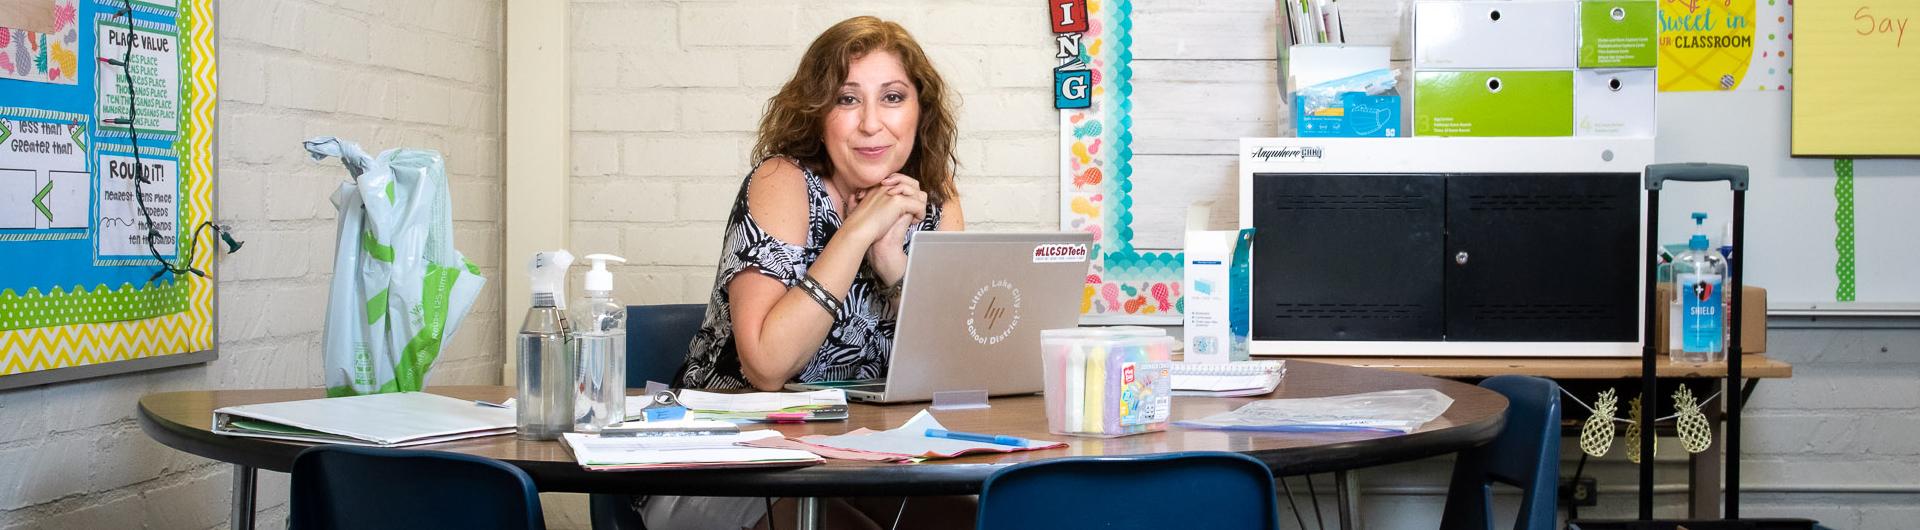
x=1656, y=176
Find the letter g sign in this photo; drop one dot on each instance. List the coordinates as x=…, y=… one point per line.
x=1072, y=89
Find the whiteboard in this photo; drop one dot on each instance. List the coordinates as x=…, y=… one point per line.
x=1790, y=210
x=1205, y=75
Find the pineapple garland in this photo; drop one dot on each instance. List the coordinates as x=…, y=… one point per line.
x=1633, y=433
x=1695, y=433
x=1596, y=435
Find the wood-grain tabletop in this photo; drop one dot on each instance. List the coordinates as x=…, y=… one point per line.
x=182, y=420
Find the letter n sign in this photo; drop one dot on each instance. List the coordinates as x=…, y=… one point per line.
x=1069, y=16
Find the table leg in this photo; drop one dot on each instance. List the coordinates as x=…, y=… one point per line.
x=1347, y=491
x=809, y=513
x=243, y=482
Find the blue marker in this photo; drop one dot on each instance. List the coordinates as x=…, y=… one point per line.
x=977, y=437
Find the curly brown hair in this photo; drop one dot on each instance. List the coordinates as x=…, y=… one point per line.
x=794, y=122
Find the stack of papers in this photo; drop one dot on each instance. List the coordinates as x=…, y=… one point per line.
x=384, y=420
x=1244, y=378
x=911, y=441
x=601, y=453
x=830, y=404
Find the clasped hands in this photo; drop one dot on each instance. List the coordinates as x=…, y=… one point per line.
x=885, y=213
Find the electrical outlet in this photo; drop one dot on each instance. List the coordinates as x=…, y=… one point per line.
x=1584, y=493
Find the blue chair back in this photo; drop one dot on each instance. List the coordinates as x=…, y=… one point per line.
x=347, y=487
x=1204, y=490
x=1525, y=455
x=657, y=338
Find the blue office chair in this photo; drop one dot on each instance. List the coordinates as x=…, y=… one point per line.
x=1525, y=455
x=1204, y=490
x=347, y=487
x=657, y=339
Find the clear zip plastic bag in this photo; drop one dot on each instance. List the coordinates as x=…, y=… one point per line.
x=1390, y=411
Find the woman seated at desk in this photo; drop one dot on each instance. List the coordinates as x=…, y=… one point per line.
x=854, y=154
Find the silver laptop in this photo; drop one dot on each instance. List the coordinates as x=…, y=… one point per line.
x=971, y=314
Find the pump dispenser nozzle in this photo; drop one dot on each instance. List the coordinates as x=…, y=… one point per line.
x=1699, y=241
x=599, y=279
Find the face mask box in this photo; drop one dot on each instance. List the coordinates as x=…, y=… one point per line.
x=1338, y=90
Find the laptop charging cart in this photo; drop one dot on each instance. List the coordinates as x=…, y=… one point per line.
x=1426, y=246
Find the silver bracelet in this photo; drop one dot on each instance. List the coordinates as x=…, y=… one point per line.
x=820, y=295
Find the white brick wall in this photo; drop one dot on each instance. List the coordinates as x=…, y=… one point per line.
x=415, y=73
x=666, y=97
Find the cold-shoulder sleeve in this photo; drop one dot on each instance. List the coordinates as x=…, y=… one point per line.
x=749, y=247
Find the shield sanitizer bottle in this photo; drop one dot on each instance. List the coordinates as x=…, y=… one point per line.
x=599, y=351
x=1699, y=277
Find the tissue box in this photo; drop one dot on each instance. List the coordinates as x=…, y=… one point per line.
x=1614, y=103
x=1753, y=319
x=1493, y=103
x=1619, y=34
x=1107, y=383
x=1472, y=35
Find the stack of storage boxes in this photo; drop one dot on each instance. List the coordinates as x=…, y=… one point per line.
x=1534, y=68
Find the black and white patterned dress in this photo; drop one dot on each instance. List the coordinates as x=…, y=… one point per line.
x=862, y=336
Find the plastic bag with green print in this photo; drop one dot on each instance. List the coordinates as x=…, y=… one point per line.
x=400, y=288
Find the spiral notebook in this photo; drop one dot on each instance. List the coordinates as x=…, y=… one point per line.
x=1243, y=378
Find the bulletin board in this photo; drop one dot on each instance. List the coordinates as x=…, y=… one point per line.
x=1856, y=94
x=84, y=290
x=1180, y=82
x=1746, y=82
x=1127, y=282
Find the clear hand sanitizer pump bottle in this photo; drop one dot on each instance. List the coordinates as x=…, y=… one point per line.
x=1699, y=277
x=599, y=351
x=545, y=402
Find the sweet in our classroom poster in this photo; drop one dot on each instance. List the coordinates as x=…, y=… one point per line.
x=106, y=144
x=1712, y=45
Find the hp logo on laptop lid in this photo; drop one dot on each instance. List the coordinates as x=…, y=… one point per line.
x=993, y=312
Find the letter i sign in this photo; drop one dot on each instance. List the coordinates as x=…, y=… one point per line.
x=1069, y=16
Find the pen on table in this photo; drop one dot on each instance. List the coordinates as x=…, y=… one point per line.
x=977, y=437
x=490, y=404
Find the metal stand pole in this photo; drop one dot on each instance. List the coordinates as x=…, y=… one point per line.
x=1348, y=492
x=809, y=513
x=1647, y=385
x=243, y=479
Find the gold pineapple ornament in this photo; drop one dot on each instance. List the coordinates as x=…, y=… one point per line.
x=1633, y=432
x=1596, y=437
x=1696, y=434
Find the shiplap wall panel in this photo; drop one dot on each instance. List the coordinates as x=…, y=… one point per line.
x=1202, y=107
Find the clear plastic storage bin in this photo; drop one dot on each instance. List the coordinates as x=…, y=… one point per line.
x=1107, y=383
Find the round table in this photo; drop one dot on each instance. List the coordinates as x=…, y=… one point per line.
x=181, y=420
